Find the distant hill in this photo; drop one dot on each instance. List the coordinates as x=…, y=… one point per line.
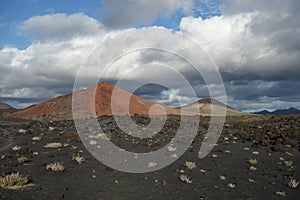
x=4, y=106
x=291, y=111
x=205, y=107
x=5, y=109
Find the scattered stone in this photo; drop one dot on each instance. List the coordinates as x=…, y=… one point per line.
x=51, y=128
x=16, y=148
x=227, y=151
x=171, y=148
x=289, y=150
x=251, y=180
x=70, y=134
x=22, y=131
x=252, y=161
x=152, y=164
x=92, y=142
x=231, y=185
x=281, y=158
x=280, y=193
x=222, y=178
x=36, y=138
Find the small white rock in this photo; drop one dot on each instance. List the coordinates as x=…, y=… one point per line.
x=36, y=138
x=152, y=164
x=227, y=151
x=22, y=131
x=280, y=193
x=222, y=178
x=93, y=142
x=171, y=149
x=251, y=180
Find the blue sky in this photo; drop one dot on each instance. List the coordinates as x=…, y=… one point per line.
x=14, y=12
x=258, y=56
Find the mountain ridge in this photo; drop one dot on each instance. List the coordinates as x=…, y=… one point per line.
x=94, y=101
x=287, y=111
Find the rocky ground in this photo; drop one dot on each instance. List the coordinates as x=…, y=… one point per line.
x=257, y=157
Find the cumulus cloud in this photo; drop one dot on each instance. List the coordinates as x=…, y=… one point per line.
x=60, y=26
x=48, y=66
x=256, y=46
x=234, y=46
x=120, y=13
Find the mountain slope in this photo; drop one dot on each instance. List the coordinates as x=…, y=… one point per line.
x=6, y=109
x=94, y=101
x=4, y=106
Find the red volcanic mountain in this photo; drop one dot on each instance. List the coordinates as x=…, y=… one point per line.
x=93, y=101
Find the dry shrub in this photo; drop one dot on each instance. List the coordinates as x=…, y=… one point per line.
x=14, y=181
x=56, y=167
x=53, y=145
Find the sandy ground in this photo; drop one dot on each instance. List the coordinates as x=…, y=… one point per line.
x=270, y=138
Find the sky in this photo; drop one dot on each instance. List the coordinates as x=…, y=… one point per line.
x=255, y=45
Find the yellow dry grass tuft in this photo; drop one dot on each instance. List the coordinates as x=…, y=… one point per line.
x=190, y=165
x=53, y=145
x=56, y=167
x=288, y=163
x=252, y=161
x=185, y=178
x=14, y=181
x=293, y=183
x=22, y=159
x=78, y=158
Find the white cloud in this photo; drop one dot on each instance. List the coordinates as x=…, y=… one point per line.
x=238, y=44
x=61, y=26
x=120, y=13
x=173, y=98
